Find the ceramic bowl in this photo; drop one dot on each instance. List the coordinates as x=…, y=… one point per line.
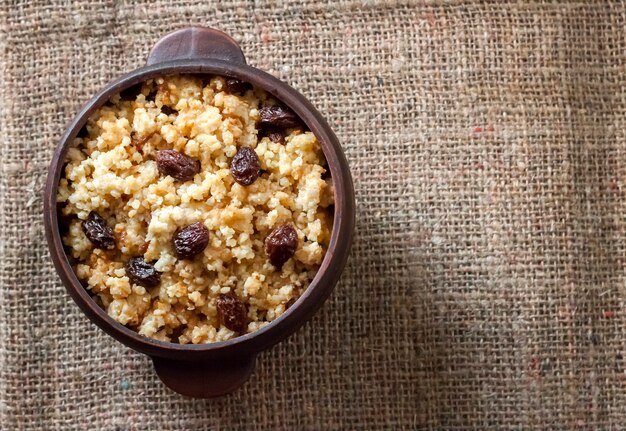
x=207, y=370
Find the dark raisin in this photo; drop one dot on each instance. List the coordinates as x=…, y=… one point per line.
x=142, y=273
x=99, y=232
x=281, y=244
x=235, y=86
x=277, y=116
x=177, y=165
x=232, y=312
x=167, y=110
x=191, y=240
x=245, y=166
x=275, y=135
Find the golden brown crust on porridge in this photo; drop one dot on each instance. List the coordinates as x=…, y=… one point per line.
x=113, y=172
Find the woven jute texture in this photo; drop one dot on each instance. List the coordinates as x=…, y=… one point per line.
x=487, y=281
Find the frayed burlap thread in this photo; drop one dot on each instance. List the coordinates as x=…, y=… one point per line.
x=487, y=282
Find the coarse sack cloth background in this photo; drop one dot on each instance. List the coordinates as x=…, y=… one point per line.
x=487, y=280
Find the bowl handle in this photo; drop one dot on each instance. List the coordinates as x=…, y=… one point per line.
x=204, y=379
x=195, y=43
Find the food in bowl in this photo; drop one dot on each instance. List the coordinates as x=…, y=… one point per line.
x=198, y=208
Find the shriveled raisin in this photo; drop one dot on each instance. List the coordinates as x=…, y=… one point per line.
x=142, y=273
x=245, y=166
x=190, y=240
x=278, y=116
x=275, y=135
x=99, y=232
x=232, y=312
x=235, y=86
x=281, y=244
x=177, y=165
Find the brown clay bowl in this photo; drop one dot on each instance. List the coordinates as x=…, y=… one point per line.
x=208, y=370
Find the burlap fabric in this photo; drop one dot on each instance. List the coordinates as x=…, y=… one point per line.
x=487, y=281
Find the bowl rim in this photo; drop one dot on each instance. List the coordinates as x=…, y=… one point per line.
x=327, y=275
